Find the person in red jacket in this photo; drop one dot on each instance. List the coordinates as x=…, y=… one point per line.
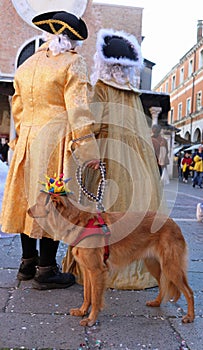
x=186, y=164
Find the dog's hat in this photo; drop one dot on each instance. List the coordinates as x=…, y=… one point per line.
x=61, y=22
x=56, y=185
x=118, y=47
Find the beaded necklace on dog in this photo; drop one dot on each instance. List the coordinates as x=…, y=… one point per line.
x=98, y=198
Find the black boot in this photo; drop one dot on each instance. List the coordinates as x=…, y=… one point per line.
x=51, y=277
x=27, y=269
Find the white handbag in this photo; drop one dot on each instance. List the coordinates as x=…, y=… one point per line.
x=165, y=177
x=199, y=212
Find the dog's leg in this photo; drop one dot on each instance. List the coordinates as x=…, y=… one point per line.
x=82, y=311
x=98, y=286
x=172, y=281
x=94, y=274
x=175, y=275
x=189, y=296
x=180, y=281
x=154, y=268
x=92, y=262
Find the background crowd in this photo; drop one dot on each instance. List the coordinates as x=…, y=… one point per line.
x=190, y=166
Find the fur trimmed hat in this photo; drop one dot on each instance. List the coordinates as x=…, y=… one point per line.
x=118, y=47
x=61, y=22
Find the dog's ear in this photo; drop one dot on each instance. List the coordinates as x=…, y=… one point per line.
x=40, y=209
x=64, y=200
x=60, y=201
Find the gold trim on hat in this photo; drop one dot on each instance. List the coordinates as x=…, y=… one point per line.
x=63, y=24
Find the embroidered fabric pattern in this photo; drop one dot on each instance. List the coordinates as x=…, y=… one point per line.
x=79, y=69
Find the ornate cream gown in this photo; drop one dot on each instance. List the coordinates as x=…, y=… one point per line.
x=133, y=182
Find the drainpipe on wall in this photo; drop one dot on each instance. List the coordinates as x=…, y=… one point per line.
x=193, y=95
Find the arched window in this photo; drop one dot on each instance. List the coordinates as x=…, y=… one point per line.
x=197, y=136
x=201, y=59
x=187, y=136
x=28, y=50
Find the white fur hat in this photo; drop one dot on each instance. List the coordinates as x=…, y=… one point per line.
x=118, y=47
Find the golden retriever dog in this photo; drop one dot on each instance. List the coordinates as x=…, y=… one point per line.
x=154, y=238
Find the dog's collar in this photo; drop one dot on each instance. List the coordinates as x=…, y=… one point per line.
x=95, y=226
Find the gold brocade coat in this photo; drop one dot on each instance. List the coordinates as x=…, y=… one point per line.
x=133, y=181
x=50, y=109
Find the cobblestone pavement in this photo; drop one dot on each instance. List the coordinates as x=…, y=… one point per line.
x=31, y=319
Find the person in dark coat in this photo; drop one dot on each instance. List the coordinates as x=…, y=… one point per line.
x=4, y=151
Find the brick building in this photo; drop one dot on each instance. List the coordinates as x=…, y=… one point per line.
x=19, y=39
x=184, y=84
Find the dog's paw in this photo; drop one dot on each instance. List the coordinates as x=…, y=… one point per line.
x=153, y=303
x=188, y=319
x=77, y=312
x=87, y=322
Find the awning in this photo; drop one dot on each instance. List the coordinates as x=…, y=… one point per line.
x=181, y=140
x=155, y=99
x=193, y=147
x=179, y=149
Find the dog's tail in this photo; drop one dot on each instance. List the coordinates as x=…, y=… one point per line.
x=174, y=271
x=169, y=289
x=173, y=253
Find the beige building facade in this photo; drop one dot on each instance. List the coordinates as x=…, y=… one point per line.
x=19, y=39
x=184, y=84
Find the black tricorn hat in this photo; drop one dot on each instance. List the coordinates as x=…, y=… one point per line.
x=61, y=22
